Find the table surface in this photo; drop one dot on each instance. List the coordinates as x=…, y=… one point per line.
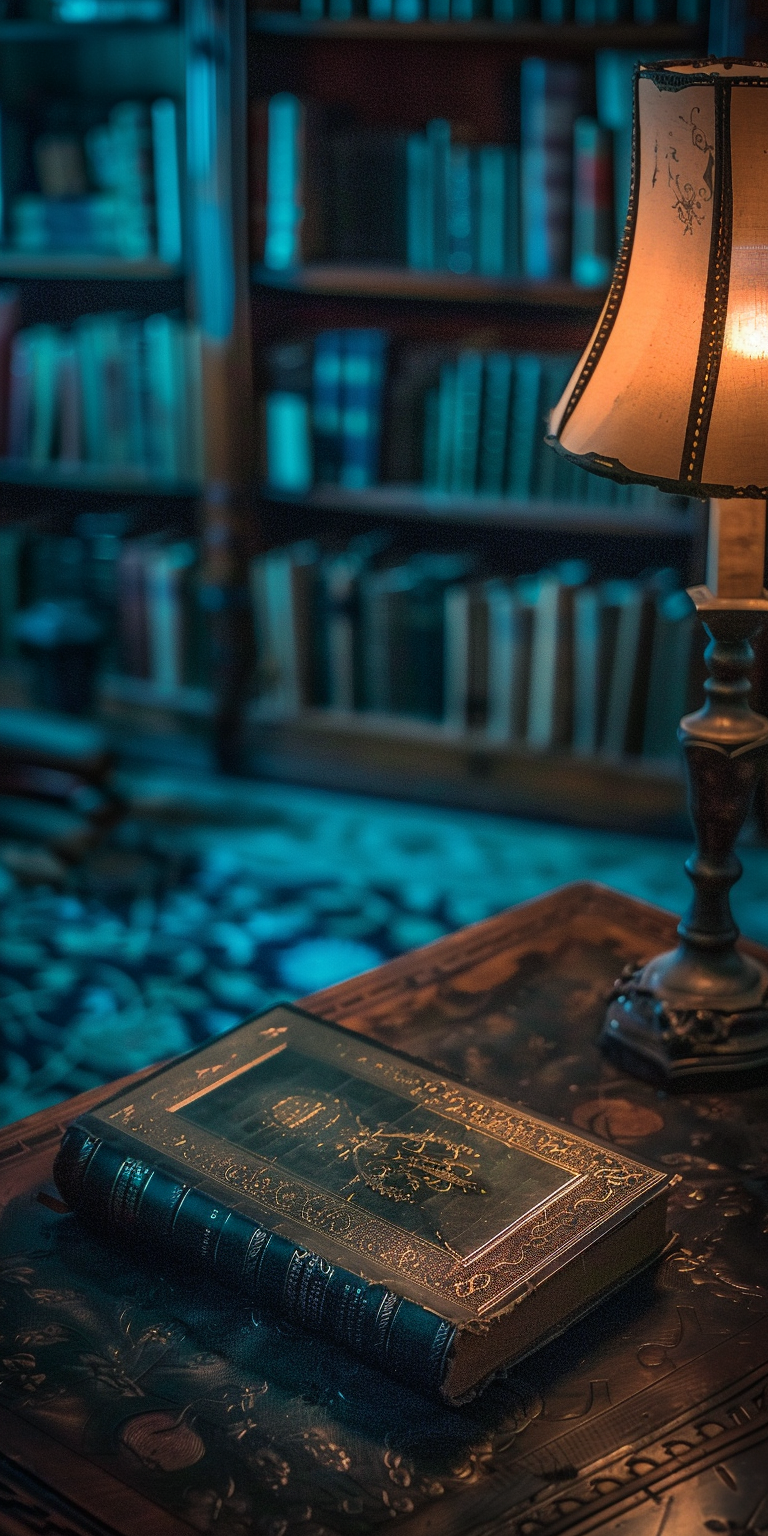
x=135, y=1404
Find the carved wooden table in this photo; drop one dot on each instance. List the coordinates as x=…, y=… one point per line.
x=132, y=1403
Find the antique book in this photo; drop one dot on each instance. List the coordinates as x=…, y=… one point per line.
x=439, y=1233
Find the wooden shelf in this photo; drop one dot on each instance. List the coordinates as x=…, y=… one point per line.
x=92, y=477
x=416, y=759
x=366, y=753
x=407, y=501
x=345, y=281
x=516, y=33
x=69, y=264
x=57, y=31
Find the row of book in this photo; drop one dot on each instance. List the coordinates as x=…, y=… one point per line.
x=113, y=390
x=552, y=660
x=549, y=207
x=555, y=12
x=73, y=182
x=355, y=407
x=83, y=12
x=549, y=661
x=142, y=591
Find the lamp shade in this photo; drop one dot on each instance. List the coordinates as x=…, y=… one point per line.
x=673, y=387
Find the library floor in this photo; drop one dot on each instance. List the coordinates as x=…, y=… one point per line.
x=217, y=897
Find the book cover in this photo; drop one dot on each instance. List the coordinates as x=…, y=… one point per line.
x=438, y=1232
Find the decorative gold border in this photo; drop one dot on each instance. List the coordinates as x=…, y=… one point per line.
x=603, y=1183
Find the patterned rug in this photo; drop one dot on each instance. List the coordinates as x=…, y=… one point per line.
x=233, y=896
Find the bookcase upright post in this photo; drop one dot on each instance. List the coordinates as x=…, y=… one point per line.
x=218, y=232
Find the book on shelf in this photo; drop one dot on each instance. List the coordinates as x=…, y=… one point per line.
x=83, y=12
x=112, y=188
x=430, y=200
x=548, y=660
x=112, y=390
x=281, y=584
x=594, y=243
x=159, y=619
x=551, y=94
x=356, y=405
x=324, y=409
x=688, y=13
x=436, y=1232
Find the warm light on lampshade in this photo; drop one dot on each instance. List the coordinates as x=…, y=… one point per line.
x=673, y=387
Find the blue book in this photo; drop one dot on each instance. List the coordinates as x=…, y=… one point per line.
x=362, y=378
x=408, y=10
x=469, y=388
x=556, y=12
x=593, y=243
x=491, y=209
x=525, y=425
x=431, y=476
x=439, y=141
x=282, y=247
x=493, y=435
x=289, y=441
x=326, y=405
x=439, y=10
x=512, y=10
x=419, y=232
x=585, y=12
x=459, y=209
x=446, y=427
x=512, y=251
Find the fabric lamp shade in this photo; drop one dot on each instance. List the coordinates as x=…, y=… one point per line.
x=673, y=387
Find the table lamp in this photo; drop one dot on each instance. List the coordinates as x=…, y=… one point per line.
x=672, y=391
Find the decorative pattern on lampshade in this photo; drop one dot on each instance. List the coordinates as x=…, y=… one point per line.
x=673, y=387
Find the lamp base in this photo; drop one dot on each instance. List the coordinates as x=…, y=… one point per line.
x=698, y=1015
x=682, y=1042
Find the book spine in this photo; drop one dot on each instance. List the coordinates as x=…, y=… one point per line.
x=419, y=234
x=493, y=439
x=593, y=224
x=469, y=385
x=9, y=319
x=165, y=1220
x=491, y=210
x=326, y=405
x=439, y=145
x=459, y=210
x=165, y=155
x=282, y=242
x=360, y=423
x=549, y=96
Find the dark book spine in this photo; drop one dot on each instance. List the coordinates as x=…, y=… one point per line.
x=166, y=1220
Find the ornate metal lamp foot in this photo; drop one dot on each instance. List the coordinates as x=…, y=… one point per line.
x=699, y=1014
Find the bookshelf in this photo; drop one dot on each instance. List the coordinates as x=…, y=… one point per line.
x=216, y=62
